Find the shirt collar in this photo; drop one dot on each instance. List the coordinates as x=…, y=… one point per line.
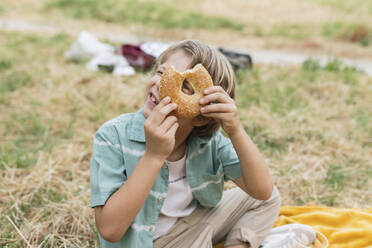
x=137, y=129
x=201, y=140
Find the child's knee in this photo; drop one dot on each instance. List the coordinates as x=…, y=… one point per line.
x=275, y=200
x=250, y=203
x=275, y=196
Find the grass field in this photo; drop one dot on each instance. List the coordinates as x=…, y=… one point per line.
x=312, y=123
x=339, y=28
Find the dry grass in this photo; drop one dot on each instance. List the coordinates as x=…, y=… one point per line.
x=45, y=193
x=313, y=125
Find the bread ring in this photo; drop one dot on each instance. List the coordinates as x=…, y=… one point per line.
x=171, y=85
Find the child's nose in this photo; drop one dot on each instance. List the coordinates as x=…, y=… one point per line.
x=154, y=81
x=157, y=82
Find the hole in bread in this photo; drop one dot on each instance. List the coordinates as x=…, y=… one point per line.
x=187, y=88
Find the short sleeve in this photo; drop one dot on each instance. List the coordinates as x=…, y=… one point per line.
x=228, y=158
x=107, y=167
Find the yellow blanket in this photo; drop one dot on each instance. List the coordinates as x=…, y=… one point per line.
x=344, y=228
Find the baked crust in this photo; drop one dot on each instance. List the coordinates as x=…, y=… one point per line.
x=171, y=85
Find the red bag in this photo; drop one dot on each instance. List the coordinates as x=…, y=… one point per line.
x=136, y=57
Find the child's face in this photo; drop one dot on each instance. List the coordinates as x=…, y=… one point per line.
x=181, y=62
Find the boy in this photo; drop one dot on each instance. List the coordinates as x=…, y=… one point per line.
x=157, y=180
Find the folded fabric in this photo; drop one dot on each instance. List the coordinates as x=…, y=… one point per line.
x=290, y=236
x=136, y=56
x=344, y=228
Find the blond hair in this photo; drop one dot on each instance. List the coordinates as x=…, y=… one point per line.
x=217, y=65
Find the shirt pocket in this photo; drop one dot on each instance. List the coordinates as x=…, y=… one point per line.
x=211, y=188
x=215, y=177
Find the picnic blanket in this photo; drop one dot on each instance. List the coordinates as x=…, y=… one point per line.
x=343, y=227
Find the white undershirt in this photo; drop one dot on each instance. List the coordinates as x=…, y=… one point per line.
x=179, y=201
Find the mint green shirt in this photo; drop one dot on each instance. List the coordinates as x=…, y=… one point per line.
x=119, y=144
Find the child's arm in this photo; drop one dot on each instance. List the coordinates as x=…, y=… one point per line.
x=114, y=218
x=256, y=176
x=256, y=179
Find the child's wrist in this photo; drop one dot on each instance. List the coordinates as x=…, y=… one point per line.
x=155, y=159
x=238, y=131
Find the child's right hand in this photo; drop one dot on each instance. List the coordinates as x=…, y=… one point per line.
x=160, y=130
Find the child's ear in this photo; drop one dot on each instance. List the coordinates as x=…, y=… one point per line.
x=200, y=120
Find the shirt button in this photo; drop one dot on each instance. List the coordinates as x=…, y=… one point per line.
x=151, y=228
x=161, y=198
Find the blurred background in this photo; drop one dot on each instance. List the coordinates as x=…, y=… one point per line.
x=306, y=101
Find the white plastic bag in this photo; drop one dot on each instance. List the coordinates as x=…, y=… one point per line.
x=119, y=63
x=154, y=48
x=86, y=47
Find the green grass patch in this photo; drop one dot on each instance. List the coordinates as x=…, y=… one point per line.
x=310, y=70
x=352, y=32
x=5, y=64
x=313, y=70
x=40, y=199
x=24, y=64
x=30, y=47
x=335, y=181
x=363, y=118
x=330, y=200
x=333, y=65
x=358, y=33
x=28, y=135
x=267, y=140
x=10, y=234
x=311, y=65
x=363, y=180
x=336, y=177
x=292, y=31
x=149, y=13
x=257, y=30
x=24, y=59
x=13, y=81
x=2, y=9
x=279, y=95
x=285, y=30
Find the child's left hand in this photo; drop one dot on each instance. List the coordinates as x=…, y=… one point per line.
x=222, y=108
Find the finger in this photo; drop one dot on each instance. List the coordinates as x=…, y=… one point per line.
x=218, y=108
x=164, y=112
x=213, y=89
x=161, y=104
x=218, y=116
x=172, y=130
x=216, y=97
x=168, y=122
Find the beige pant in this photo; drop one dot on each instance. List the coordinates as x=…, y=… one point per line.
x=237, y=219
